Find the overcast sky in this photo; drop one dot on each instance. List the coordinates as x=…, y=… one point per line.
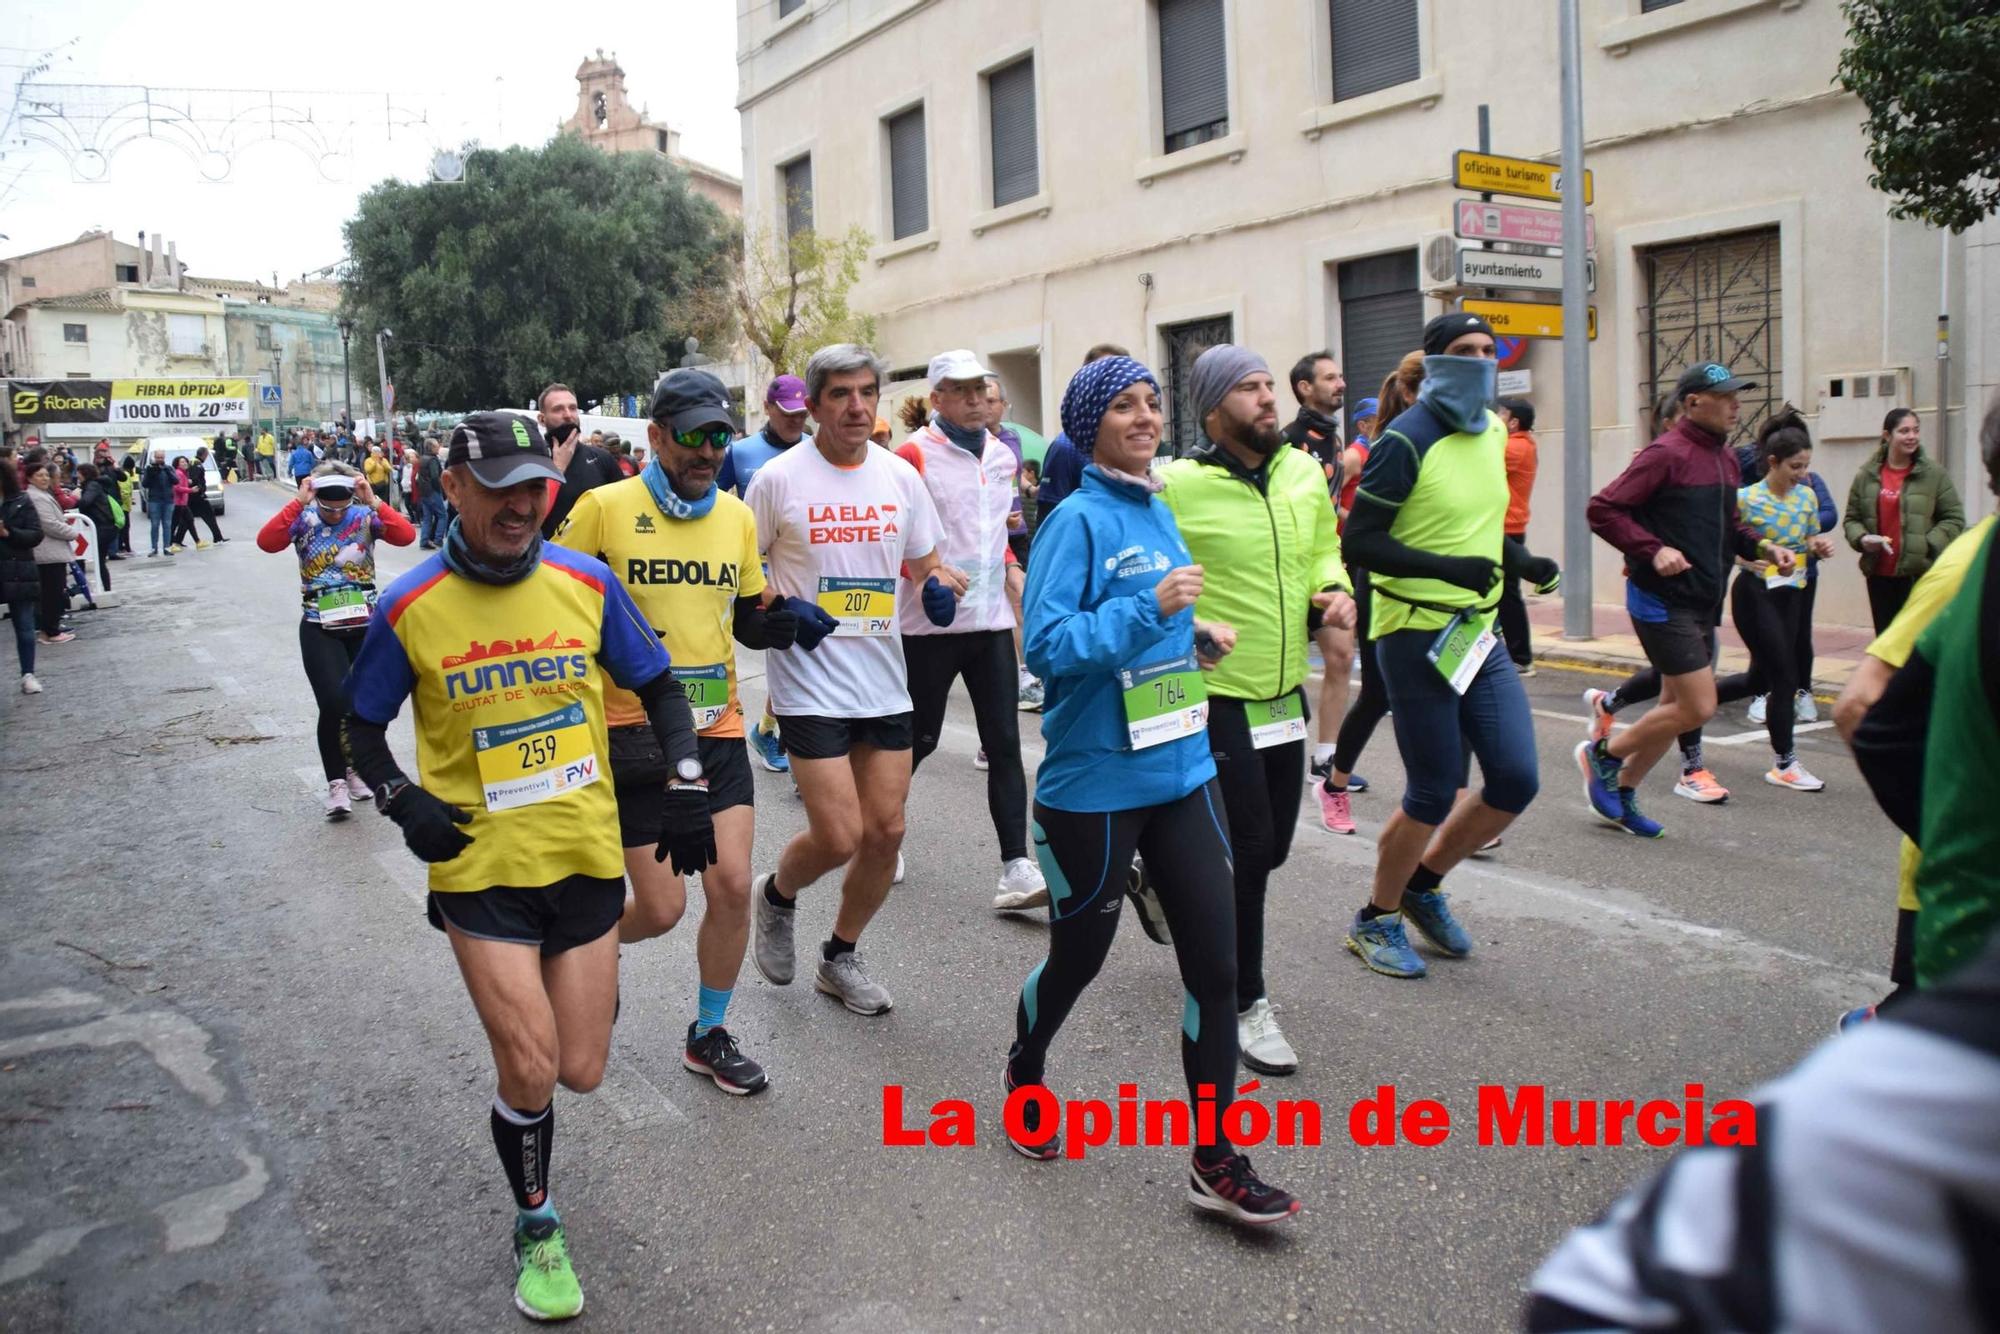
x=489, y=79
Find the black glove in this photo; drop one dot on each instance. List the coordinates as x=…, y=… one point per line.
x=687, y=830
x=781, y=626
x=1544, y=574
x=430, y=826
x=814, y=623
x=1474, y=573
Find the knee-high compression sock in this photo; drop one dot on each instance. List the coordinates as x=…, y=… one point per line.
x=524, y=1140
x=712, y=1005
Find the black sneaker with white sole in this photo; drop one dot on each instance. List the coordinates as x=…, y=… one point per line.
x=716, y=1055
x=1031, y=1120
x=1229, y=1187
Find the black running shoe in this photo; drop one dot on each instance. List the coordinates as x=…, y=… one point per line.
x=1031, y=1119
x=716, y=1055
x=1230, y=1188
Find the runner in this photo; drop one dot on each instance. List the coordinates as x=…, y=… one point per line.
x=784, y=426
x=1028, y=690
x=837, y=521
x=511, y=815
x=1428, y=523
x=584, y=466
x=969, y=474
x=1673, y=513
x=332, y=525
x=687, y=553
x=1112, y=634
x=1256, y=514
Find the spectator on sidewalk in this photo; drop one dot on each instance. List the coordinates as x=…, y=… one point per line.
x=52, y=555
x=20, y=586
x=157, y=485
x=96, y=506
x=198, y=502
x=1902, y=511
x=128, y=486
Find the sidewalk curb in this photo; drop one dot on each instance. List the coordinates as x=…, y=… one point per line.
x=1608, y=663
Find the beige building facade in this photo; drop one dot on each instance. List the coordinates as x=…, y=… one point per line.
x=1171, y=173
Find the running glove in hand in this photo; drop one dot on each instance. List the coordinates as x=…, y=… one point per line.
x=781, y=626
x=430, y=826
x=1544, y=574
x=1475, y=573
x=814, y=623
x=687, y=831
x=940, y=603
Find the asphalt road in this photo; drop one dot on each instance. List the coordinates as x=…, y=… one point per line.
x=243, y=1087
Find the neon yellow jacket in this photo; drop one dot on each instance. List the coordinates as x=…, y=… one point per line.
x=1266, y=542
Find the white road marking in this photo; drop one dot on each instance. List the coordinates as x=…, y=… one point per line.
x=1745, y=738
x=49, y=1246
x=55, y=998
x=200, y=654
x=230, y=685
x=200, y=1218
x=265, y=724
x=177, y=1043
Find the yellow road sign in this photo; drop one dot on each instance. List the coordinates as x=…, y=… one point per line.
x=1523, y=319
x=1493, y=174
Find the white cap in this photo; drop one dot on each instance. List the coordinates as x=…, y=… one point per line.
x=957, y=364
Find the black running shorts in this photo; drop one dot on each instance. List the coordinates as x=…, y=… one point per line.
x=641, y=805
x=571, y=912
x=810, y=736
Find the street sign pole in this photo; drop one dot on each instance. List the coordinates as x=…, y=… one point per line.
x=1577, y=541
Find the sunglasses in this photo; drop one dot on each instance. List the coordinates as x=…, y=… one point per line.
x=715, y=437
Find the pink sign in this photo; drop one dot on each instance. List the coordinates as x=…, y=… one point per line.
x=1479, y=221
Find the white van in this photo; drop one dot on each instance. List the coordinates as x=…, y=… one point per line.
x=184, y=447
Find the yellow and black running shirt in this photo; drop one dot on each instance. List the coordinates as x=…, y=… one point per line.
x=508, y=684
x=684, y=575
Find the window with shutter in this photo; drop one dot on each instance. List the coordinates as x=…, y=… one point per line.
x=787, y=8
x=1381, y=320
x=1011, y=98
x=1648, y=6
x=1374, y=45
x=186, y=335
x=798, y=178
x=909, y=185
x=1194, y=76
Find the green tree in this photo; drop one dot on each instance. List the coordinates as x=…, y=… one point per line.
x=557, y=263
x=786, y=295
x=1929, y=73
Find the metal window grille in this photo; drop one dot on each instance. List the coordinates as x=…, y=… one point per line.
x=1185, y=342
x=1011, y=98
x=76, y=333
x=909, y=185
x=1374, y=45
x=1716, y=299
x=185, y=335
x=1194, y=74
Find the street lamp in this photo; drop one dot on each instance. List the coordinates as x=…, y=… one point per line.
x=346, y=378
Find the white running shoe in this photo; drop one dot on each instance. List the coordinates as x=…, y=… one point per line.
x=1793, y=776
x=979, y=761
x=357, y=789
x=1757, y=710
x=901, y=870
x=1021, y=886
x=1261, y=1043
x=29, y=685
x=1808, y=707
x=338, y=807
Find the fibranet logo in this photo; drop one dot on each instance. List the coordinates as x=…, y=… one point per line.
x=505, y=664
x=31, y=402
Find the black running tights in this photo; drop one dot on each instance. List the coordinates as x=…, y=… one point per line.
x=1261, y=791
x=1372, y=705
x=1086, y=857
x=985, y=658
x=327, y=657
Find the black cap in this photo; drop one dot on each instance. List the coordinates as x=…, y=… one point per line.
x=501, y=449
x=1441, y=332
x=685, y=399
x=1710, y=378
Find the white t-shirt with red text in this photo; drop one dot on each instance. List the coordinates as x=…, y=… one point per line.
x=837, y=537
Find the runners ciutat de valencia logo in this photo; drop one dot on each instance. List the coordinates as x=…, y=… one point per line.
x=504, y=664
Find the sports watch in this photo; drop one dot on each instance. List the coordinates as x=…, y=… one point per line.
x=688, y=771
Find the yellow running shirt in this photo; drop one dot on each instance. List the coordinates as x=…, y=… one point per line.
x=685, y=576
x=509, y=703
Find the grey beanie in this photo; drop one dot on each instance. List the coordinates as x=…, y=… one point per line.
x=1219, y=370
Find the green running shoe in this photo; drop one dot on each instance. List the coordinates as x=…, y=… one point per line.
x=545, y=1287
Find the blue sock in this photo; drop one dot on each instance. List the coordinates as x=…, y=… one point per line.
x=713, y=1005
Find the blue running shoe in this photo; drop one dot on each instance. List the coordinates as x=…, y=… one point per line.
x=1380, y=943
x=764, y=745
x=1631, y=821
x=1600, y=781
x=1430, y=913
x=1323, y=770
x=1855, y=1018
x=1356, y=783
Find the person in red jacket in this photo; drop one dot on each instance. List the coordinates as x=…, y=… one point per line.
x=1519, y=416
x=1673, y=513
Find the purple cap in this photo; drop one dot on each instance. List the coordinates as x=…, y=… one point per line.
x=787, y=393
